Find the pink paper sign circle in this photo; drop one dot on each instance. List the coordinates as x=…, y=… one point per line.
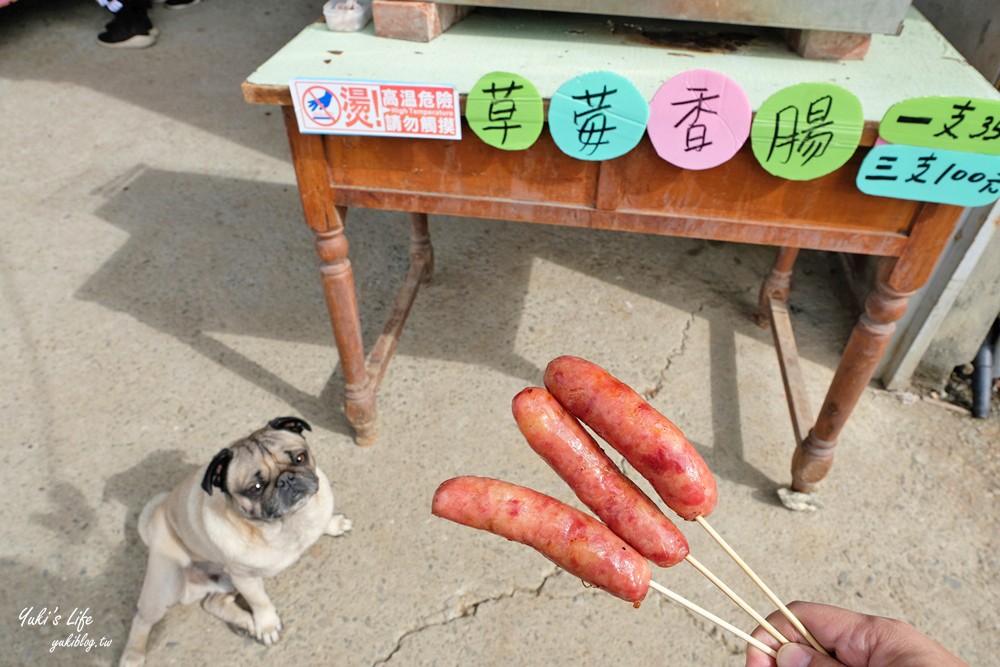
x=699, y=119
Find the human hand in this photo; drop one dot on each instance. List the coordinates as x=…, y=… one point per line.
x=323, y=101
x=856, y=640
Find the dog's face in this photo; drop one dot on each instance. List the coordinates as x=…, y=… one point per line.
x=267, y=475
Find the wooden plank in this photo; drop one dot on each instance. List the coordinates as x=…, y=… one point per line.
x=467, y=168
x=791, y=370
x=378, y=359
x=610, y=186
x=932, y=226
x=741, y=189
x=791, y=235
x=266, y=93
x=418, y=273
x=638, y=191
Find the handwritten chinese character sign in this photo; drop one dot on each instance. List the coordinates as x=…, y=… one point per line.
x=807, y=130
x=597, y=116
x=699, y=119
x=429, y=111
x=954, y=123
x=505, y=110
x=930, y=174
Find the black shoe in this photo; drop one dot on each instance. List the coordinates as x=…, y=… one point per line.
x=125, y=32
x=180, y=4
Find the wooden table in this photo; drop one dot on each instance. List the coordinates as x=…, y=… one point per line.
x=738, y=201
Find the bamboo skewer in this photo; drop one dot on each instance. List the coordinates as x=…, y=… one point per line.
x=756, y=643
x=761, y=621
x=762, y=586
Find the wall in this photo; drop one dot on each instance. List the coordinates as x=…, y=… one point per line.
x=935, y=338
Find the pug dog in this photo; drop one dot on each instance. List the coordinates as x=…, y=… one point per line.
x=257, y=507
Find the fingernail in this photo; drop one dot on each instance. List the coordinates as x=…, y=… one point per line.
x=794, y=655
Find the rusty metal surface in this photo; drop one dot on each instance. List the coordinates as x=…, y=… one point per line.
x=867, y=16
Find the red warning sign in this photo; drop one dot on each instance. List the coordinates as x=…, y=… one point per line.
x=429, y=111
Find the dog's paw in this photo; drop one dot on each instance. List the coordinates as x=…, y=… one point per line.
x=339, y=524
x=132, y=658
x=225, y=607
x=267, y=627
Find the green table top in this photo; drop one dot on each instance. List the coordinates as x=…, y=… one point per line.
x=550, y=48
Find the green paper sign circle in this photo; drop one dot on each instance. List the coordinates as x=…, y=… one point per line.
x=505, y=111
x=597, y=116
x=806, y=131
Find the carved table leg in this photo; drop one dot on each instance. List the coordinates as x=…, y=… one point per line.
x=326, y=220
x=868, y=341
x=341, y=301
x=778, y=282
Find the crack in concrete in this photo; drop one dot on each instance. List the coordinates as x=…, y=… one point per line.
x=731, y=644
x=462, y=610
x=674, y=354
x=459, y=611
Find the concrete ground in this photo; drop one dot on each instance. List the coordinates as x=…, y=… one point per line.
x=160, y=299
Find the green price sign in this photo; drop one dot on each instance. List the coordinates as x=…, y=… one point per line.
x=505, y=111
x=806, y=131
x=954, y=123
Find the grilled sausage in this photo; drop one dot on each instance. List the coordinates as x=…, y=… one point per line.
x=576, y=542
x=649, y=441
x=572, y=452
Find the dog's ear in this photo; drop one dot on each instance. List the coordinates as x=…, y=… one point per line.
x=215, y=476
x=293, y=424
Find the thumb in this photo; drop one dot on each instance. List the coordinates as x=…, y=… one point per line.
x=798, y=655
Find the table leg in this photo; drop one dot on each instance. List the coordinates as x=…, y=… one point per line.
x=871, y=335
x=898, y=279
x=342, y=303
x=326, y=220
x=418, y=273
x=778, y=282
x=774, y=306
